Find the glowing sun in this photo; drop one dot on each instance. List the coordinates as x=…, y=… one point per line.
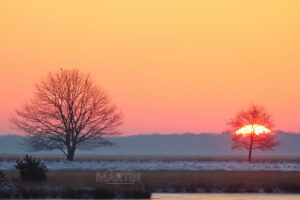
x=250, y=129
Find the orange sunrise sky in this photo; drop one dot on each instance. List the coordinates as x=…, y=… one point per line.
x=171, y=66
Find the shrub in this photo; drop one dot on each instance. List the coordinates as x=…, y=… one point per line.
x=2, y=177
x=31, y=170
x=7, y=190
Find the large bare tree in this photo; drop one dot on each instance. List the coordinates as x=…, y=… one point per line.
x=68, y=112
x=253, y=116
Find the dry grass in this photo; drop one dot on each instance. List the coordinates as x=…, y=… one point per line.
x=209, y=181
x=163, y=180
x=71, y=184
x=230, y=181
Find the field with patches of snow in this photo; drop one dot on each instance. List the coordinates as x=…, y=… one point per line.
x=165, y=165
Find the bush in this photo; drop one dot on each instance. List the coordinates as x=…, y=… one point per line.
x=6, y=189
x=2, y=177
x=31, y=170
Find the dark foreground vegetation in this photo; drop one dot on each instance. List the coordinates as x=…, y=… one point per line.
x=25, y=192
x=82, y=184
x=66, y=188
x=32, y=182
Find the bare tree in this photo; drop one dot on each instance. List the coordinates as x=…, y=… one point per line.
x=68, y=112
x=253, y=116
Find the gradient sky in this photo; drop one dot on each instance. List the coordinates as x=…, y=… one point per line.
x=171, y=66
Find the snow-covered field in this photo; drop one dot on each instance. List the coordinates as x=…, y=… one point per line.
x=166, y=165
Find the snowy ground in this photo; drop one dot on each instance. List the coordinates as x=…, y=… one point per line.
x=166, y=165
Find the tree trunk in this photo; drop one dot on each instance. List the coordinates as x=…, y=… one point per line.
x=250, y=155
x=250, y=149
x=71, y=153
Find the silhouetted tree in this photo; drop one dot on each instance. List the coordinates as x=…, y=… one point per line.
x=254, y=115
x=68, y=112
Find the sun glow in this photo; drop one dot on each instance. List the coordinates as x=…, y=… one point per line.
x=255, y=128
